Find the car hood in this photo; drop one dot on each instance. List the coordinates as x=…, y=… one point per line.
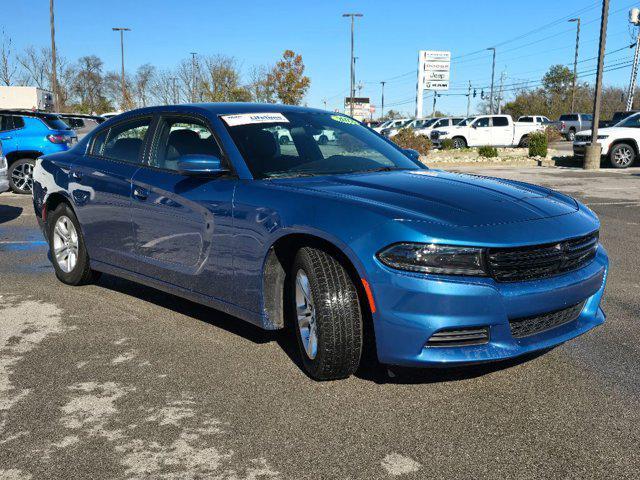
x=441, y=197
x=611, y=131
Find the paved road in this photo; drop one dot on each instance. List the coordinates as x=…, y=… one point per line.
x=115, y=380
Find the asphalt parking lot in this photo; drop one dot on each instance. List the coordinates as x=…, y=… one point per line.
x=115, y=380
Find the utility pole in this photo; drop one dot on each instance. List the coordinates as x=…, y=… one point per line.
x=435, y=97
x=575, y=65
x=54, y=68
x=353, y=61
x=493, y=72
x=124, y=84
x=360, y=87
x=382, y=100
x=324, y=102
x=502, y=77
x=634, y=18
x=469, y=99
x=594, y=150
x=193, y=76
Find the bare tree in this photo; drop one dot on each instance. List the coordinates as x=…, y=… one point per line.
x=186, y=77
x=143, y=81
x=166, y=89
x=221, y=80
x=7, y=67
x=89, y=86
x=36, y=66
x=260, y=85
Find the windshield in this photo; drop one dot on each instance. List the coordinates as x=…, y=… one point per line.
x=630, y=122
x=466, y=122
x=308, y=143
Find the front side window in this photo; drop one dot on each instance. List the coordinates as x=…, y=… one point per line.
x=316, y=144
x=180, y=136
x=124, y=141
x=442, y=123
x=482, y=122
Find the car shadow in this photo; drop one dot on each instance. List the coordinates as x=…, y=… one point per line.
x=370, y=369
x=8, y=213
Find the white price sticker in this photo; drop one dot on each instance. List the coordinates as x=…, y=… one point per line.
x=251, y=118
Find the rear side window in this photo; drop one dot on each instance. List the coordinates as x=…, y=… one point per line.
x=10, y=122
x=123, y=142
x=500, y=122
x=18, y=122
x=54, y=122
x=587, y=117
x=526, y=119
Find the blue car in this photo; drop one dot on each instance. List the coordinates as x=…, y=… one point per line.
x=25, y=135
x=353, y=243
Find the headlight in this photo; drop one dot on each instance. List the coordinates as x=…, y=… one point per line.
x=431, y=258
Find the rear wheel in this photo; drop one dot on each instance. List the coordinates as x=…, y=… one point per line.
x=327, y=315
x=67, y=248
x=571, y=136
x=524, y=142
x=459, y=142
x=622, y=155
x=21, y=175
x=323, y=140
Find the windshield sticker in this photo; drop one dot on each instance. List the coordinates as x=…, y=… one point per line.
x=250, y=118
x=343, y=119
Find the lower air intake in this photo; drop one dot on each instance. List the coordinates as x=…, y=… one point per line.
x=525, y=327
x=459, y=337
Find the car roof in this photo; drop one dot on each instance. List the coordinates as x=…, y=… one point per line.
x=26, y=113
x=222, y=108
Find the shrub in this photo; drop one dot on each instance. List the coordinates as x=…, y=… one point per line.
x=552, y=134
x=447, y=144
x=407, y=138
x=538, y=144
x=488, y=151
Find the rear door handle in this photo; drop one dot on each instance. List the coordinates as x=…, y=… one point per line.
x=140, y=193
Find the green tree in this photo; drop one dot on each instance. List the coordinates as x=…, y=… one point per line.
x=558, y=80
x=287, y=79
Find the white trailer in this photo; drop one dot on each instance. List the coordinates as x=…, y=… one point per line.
x=28, y=98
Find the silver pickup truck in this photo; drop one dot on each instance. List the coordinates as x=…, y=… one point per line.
x=571, y=123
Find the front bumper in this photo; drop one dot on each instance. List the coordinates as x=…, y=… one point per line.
x=410, y=308
x=579, y=149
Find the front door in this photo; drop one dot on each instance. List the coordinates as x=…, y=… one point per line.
x=480, y=132
x=182, y=224
x=101, y=188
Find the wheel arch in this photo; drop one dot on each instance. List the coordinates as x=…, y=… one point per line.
x=20, y=154
x=278, y=261
x=54, y=199
x=464, y=139
x=629, y=141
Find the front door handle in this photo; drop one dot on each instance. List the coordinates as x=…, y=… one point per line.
x=140, y=193
x=75, y=175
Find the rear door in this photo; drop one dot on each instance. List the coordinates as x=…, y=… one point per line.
x=100, y=184
x=9, y=131
x=501, y=131
x=183, y=223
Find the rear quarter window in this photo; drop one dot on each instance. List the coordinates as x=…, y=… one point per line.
x=54, y=123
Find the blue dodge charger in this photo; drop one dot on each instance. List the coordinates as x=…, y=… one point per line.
x=337, y=233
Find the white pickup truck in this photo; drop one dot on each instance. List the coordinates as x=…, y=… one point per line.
x=493, y=130
x=619, y=143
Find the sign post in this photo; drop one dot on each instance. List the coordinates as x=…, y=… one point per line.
x=434, y=68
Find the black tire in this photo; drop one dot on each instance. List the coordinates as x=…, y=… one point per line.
x=571, y=136
x=323, y=140
x=284, y=140
x=81, y=274
x=459, y=142
x=524, y=142
x=338, y=318
x=21, y=176
x=622, y=155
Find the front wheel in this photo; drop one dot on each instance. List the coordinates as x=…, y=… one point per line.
x=622, y=155
x=67, y=248
x=327, y=315
x=21, y=176
x=459, y=142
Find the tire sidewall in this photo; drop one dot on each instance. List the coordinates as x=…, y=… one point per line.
x=13, y=165
x=459, y=143
x=74, y=277
x=613, y=151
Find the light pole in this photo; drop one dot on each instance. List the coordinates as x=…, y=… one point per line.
x=382, y=101
x=575, y=65
x=54, y=68
x=193, y=76
x=594, y=150
x=493, y=72
x=352, y=63
x=124, y=85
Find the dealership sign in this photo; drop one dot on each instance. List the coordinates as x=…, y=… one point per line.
x=434, y=70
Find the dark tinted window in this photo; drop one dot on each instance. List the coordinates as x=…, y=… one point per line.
x=569, y=118
x=10, y=122
x=54, y=122
x=181, y=136
x=500, y=122
x=526, y=119
x=455, y=121
x=18, y=122
x=587, y=117
x=75, y=122
x=123, y=141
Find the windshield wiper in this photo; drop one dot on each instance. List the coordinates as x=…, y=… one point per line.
x=291, y=174
x=380, y=169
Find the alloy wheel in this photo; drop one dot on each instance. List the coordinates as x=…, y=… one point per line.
x=623, y=156
x=22, y=176
x=306, y=314
x=65, y=244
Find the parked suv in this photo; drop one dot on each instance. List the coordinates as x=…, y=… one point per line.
x=26, y=135
x=571, y=123
x=436, y=123
x=81, y=123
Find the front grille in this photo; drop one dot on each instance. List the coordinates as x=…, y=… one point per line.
x=583, y=138
x=541, y=261
x=525, y=327
x=459, y=337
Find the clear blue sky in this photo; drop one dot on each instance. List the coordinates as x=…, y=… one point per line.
x=388, y=38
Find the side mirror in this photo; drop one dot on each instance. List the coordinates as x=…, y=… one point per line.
x=474, y=126
x=411, y=153
x=201, y=165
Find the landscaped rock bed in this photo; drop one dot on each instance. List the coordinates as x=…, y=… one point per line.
x=518, y=156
